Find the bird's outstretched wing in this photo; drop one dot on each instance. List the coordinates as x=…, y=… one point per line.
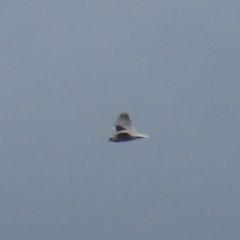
x=124, y=123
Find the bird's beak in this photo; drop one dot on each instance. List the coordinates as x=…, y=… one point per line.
x=110, y=139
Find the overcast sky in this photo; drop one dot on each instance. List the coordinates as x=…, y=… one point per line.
x=69, y=68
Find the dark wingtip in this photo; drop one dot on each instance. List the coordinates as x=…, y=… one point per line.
x=124, y=113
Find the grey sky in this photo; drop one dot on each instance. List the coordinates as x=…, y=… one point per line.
x=68, y=68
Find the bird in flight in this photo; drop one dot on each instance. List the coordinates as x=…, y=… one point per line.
x=124, y=130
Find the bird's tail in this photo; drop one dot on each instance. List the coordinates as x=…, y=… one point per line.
x=143, y=136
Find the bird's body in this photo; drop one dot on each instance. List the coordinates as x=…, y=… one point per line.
x=124, y=130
